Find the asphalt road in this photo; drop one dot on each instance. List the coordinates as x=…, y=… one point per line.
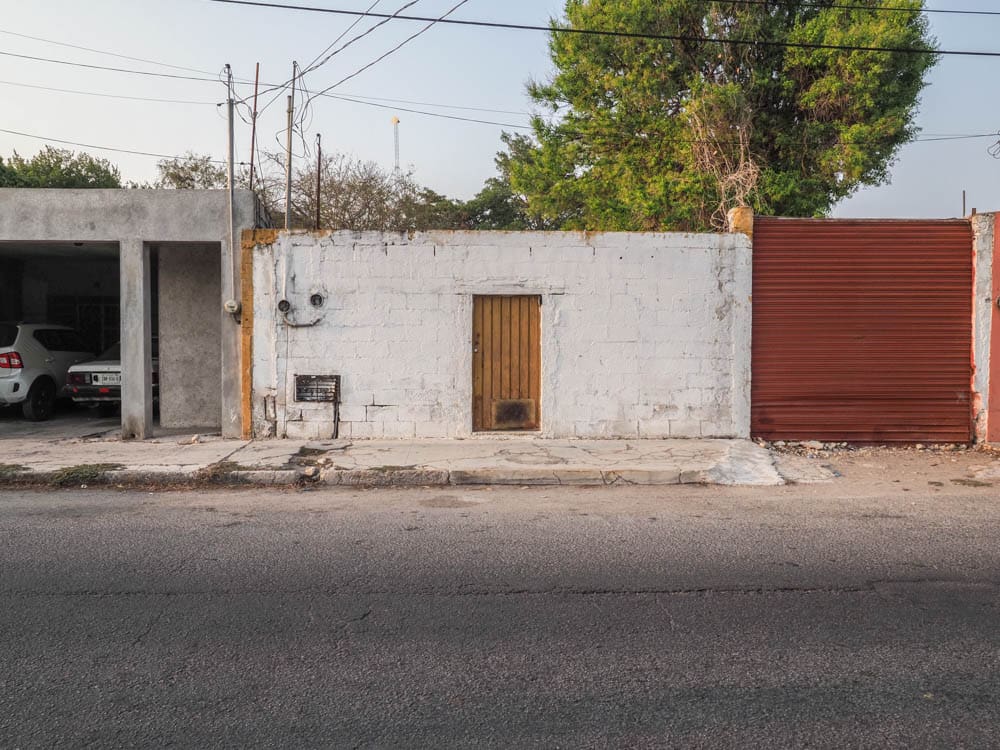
x=555, y=618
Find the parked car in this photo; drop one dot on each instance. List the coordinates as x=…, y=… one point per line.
x=34, y=358
x=98, y=382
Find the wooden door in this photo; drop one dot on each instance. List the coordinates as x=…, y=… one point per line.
x=506, y=363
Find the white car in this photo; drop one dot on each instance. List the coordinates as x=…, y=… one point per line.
x=34, y=359
x=98, y=382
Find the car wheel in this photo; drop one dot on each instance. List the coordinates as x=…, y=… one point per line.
x=41, y=401
x=106, y=409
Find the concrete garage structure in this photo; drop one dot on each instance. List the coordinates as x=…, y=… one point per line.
x=129, y=245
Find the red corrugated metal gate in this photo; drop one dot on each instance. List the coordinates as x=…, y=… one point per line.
x=862, y=330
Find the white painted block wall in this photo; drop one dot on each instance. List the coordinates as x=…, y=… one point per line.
x=643, y=335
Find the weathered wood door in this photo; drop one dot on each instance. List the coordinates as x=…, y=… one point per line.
x=506, y=363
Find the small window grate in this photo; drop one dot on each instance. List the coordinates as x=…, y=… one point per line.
x=324, y=388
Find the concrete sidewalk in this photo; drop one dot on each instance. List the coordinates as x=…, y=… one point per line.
x=210, y=460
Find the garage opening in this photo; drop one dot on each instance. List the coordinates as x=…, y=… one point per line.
x=67, y=299
x=61, y=302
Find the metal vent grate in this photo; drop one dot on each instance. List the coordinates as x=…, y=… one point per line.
x=324, y=388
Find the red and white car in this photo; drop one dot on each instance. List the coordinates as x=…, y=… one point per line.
x=99, y=382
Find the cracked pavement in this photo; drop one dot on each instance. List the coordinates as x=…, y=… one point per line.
x=858, y=614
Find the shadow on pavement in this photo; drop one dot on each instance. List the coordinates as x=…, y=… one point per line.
x=68, y=422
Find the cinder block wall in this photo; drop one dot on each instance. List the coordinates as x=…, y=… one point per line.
x=643, y=335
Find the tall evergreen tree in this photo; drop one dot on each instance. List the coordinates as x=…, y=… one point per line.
x=642, y=133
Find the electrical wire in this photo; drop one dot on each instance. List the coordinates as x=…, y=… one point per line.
x=395, y=49
x=103, y=52
x=434, y=104
x=620, y=34
x=103, y=148
x=105, y=67
x=107, y=96
x=281, y=87
x=428, y=114
x=314, y=65
x=344, y=33
x=308, y=99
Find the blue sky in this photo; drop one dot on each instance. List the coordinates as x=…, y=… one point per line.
x=459, y=66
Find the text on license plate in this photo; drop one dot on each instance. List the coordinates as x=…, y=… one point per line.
x=112, y=378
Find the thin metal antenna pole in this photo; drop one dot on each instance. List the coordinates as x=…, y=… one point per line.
x=288, y=152
x=253, y=123
x=319, y=174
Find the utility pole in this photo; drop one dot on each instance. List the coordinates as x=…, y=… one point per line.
x=288, y=151
x=319, y=173
x=253, y=123
x=231, y=168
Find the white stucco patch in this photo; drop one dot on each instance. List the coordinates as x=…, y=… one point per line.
x=983, y=228
x=643, y=335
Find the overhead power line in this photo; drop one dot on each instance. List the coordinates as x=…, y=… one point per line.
x=617, y=34
x=441, y=115
x=155, y=155
x=280, y=88
x=104, y=52
x=105, y=67
x=314, y=64
x=108, y=96
x=433, y=104
x=101, y=148
x=395, y=49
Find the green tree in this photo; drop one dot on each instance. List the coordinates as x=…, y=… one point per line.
x=58, y=168
x=191, y=172
x=8, y=175
x=643, y=134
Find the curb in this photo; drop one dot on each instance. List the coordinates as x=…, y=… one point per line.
x=415, y=477
x=159, y=479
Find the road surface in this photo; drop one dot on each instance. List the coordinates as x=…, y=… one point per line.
x=852, y=615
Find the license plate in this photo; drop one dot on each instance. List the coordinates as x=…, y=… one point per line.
x=107, y=378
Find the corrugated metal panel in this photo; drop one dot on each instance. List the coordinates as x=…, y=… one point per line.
x=862, y=330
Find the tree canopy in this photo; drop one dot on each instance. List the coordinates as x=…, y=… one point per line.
x=643, y=134
x=58, y=168
x=189, y=172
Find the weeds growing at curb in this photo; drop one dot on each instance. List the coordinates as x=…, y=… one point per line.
x=11, y=471
x=220, y=473
x=82, y=474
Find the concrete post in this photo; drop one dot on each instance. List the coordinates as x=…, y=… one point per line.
x=136, y=341
x=231, y=380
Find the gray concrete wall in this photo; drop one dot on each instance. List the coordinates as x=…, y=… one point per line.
x=190, y=336
x=28, y=215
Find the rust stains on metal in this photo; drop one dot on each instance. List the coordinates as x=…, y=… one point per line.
x=862, y=330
